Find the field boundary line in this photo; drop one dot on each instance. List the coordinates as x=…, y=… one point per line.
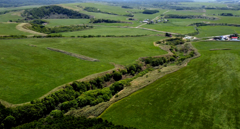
x=74, y=55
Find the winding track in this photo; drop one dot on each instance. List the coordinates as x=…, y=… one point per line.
x=21, y=28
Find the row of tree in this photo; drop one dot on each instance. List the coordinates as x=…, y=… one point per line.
x=150, y=11
x=13, y=37
x=107, y=21
x=171, y=41
x=189, y=17
x=58, y=29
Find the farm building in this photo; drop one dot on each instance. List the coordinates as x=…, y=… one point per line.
x=234, y=38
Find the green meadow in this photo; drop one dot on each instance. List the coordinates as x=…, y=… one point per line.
x=169, y=27
x=10, y=29
x=200, y=4
x=103, y=30
x=206, y=31
x=9, y=16
x=30, y=72
x=204, y=94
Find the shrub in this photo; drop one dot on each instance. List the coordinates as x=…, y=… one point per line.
x=117, y=76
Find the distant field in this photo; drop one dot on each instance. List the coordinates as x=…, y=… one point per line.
x=169, y=27
x=109, y=31
x=19, y=8
x=205, y=94
x=185, y=22
x=206, y=31
x=10, y=29
x=187, y=12
x=30, y=72
x=9, y=16
x=200, y=4
x=64, y=22
x=233, y=20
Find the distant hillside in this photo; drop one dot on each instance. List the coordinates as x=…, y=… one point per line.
x=53, y=12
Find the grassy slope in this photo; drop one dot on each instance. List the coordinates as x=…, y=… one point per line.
x=216, y=12
x=205, y=94
x=64, y=22
x=109, y=31
x=206, y=31
x=170, y=27
x=10, y=29
x=30, y=72
x=19, y=8
x=9, y=16
x=186, y=12
x=200, y=4
x=122, y=51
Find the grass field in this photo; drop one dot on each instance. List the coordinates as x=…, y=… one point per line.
x=169, y=27
x=200, y=4
x=64, y=22
x=216, y=12
x=10, y=29
x=103, y=30
x=205, y=94
x=19, y=8
x=230, y=20
x=206, y=31
x=30, y=72
x=9, y=16
x=186, y=12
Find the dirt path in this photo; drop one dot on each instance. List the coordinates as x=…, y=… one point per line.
x=21, y=28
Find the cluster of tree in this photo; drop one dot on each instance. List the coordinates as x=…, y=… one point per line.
x=56, y=120
x=48, y=30
x=48, y=36
x=181, y=59
x=38, y=21
x=127, y=7
x=13, y=37
x=47, y=11
x=190, y=17
x=106, y=21
x=156, y=61
x=172, y=41
x=92, y=36
x=150, y=11
x=226, y=14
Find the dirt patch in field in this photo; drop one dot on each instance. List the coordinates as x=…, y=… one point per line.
x=23, y=27
x=74, y=55
x=217, y=49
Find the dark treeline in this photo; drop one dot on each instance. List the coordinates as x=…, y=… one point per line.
x=127, y=7
x=189, y=17
x=226, y=14
x=171, y=41
x=107, y=21
x=13, y=37
x=48, y=30
x=150, y=11
x=58, y=121
x=47, y=11
x=214, y=24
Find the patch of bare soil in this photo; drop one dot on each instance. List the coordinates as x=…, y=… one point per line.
x=23, y=27
x=74, y=55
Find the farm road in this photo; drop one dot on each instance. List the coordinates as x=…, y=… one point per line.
x=21, y=28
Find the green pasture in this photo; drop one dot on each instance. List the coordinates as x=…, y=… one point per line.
x=10, y=29
x=169, y=27
x=65, y=22
x=200, y=4
x=103, y=30
x=19, y=8
x=122, y=51
x=186, y=12
x=108, y=8
x=9, y=16
x=225, y=19
x=186, y=22
x=30, y=72
x=204, y=94
x=206, y=31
